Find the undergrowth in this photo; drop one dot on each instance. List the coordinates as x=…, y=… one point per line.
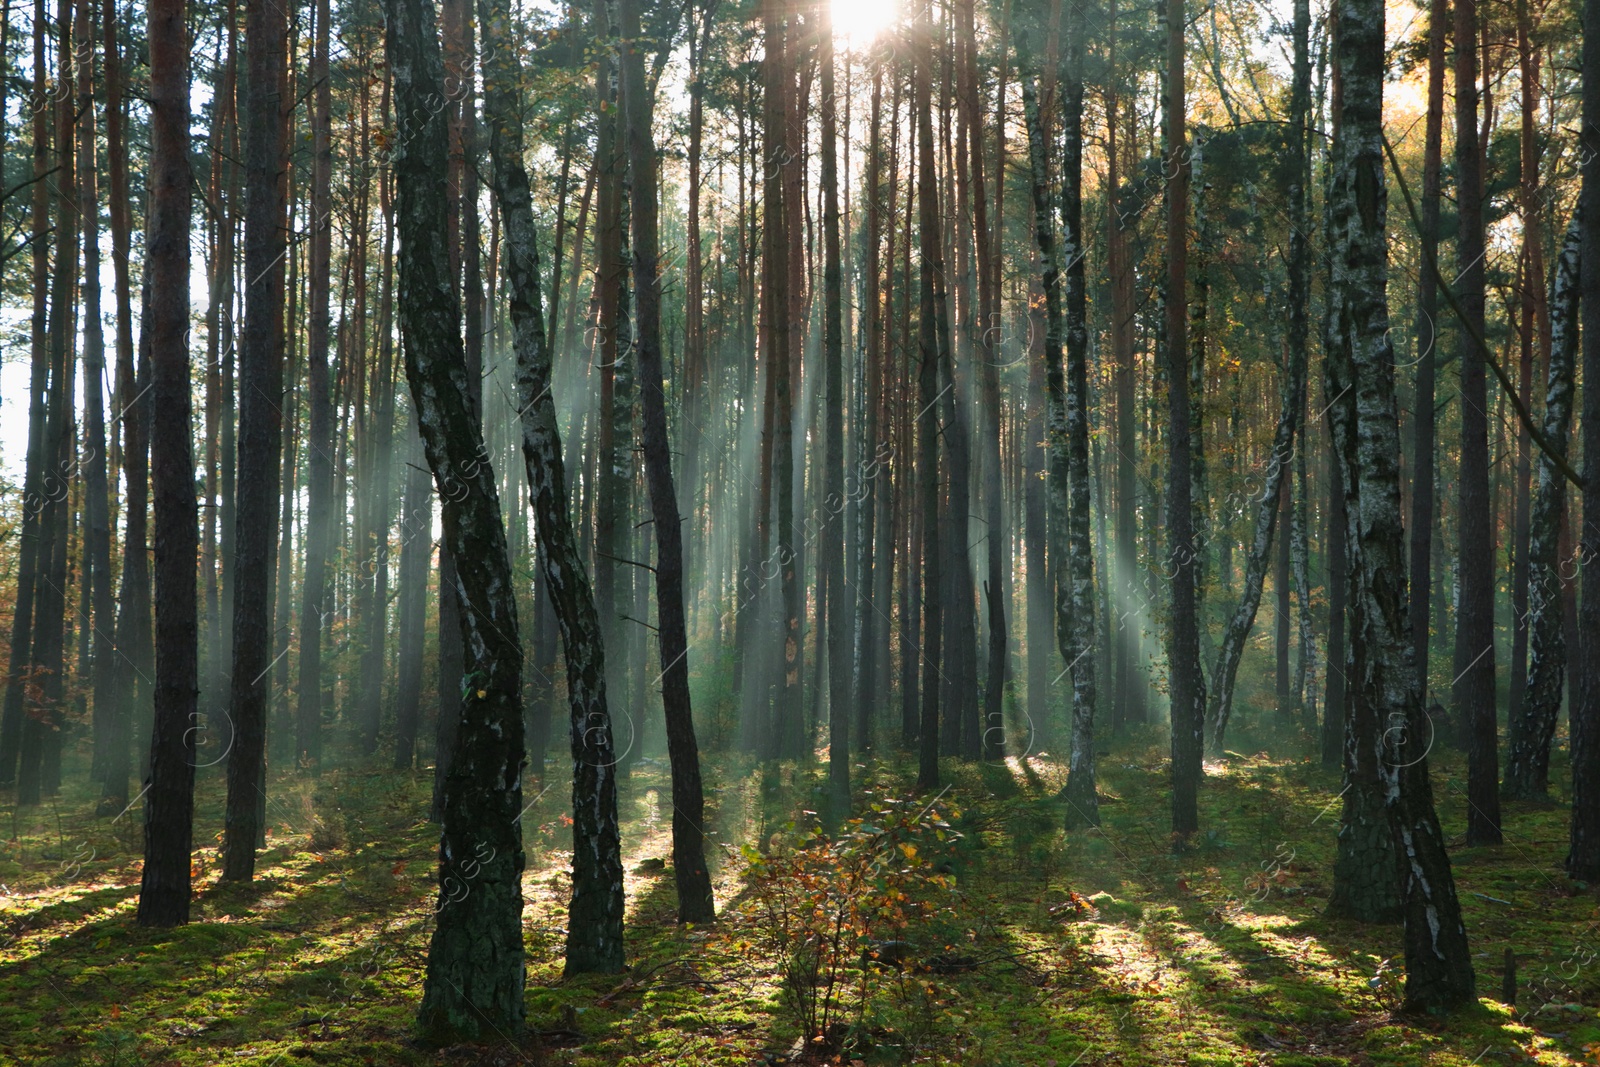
x=970, y=930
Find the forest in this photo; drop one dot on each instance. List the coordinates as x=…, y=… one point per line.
x=1000, y=533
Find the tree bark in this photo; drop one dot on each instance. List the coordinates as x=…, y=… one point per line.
x=1475, y=623
x=31, y=560
x=932, y=340
x=474, y=984
x=1183, y=653
x=169, y=796
x=260, y=429
x=840, y=612
x=416, y=551
x=96, y=505
x=133, y=602
x=1583, y=855
x=1533, y=726
x=688, y=805
x=594, y=925
x=1438, y=960
x=1069, y=449
x=319, y=437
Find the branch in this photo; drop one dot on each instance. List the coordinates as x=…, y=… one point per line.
x=1432, y=256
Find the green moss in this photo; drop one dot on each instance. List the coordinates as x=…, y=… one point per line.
x=1099, y=946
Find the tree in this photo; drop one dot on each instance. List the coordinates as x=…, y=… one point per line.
x=476, y=968
x=1183, y=638
x=688, y=805
x=260, y=431
x=1069, y=450
x=1533, y=726
x=319, y=438
x=594, y=921
x=1439, y=973
x=831, y=562
x=1422, y=450
x=1475, y=619
x=169, y=795
x=1583, y=856
x=933, y=342
x=133, y=657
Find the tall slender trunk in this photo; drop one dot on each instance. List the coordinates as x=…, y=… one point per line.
x=1300, y=230
x=1389, y=730
x=1535, y=320
x=132, y=657
x=41, y=731
x=169, y=796
x=1069, y=448
x=840, y=614
x=1183, y=668
x=688, y=806
x=1533, y=726
x=594, y=924
x=871, y=529
x=416, y=551
x=615, y=355
x=260, y=431
x=474, y=983
x=374, y=577
x=1129, y=688
x=1336, y=575
x=1583, y=856
x=932, y=344
x=30, y=560
x=1045, y=239
x=96, y=507
x=787, y=735
x=1475, y=625
x=319, y=433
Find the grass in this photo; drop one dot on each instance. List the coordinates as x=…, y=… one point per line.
x=1101, y=947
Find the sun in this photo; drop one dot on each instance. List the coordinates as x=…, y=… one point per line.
x=858, y=22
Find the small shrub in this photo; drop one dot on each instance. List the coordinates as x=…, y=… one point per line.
x=823, y=907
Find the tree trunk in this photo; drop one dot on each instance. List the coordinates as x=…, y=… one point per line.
x=1268, y=512
x=688, y=806
x=474, y=984
x=96, y=505
x=1129, y=705
x=1533, y=726
x=30, y=561
x=1427, y=342
x=840, y=613
x=594, y=923
x=133, y=603
x=169, y=796
x=1187, y=683
x=1069, y=449
x=1336, y=578
x=1389, y=731
x=38, y=773
x=1583, y=856
x=787, y=734
x=871, y=542
x=319, y=437
x=932, y=339
x=416, y=551
x=260, y=428
x=1475, y=625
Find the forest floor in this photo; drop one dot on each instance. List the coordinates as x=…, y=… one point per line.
x=1035, y=947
